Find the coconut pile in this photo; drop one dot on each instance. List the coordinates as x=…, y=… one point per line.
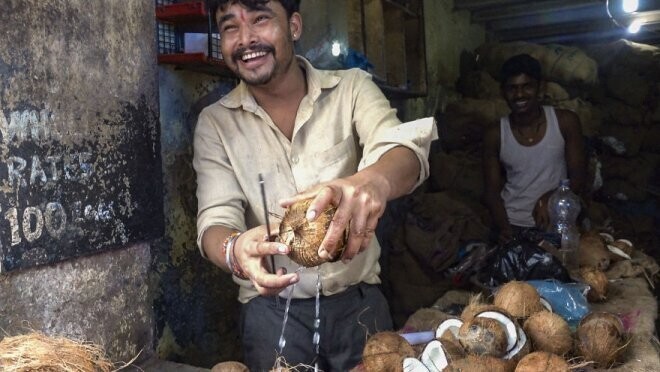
x=517, y=332
x=598, y=252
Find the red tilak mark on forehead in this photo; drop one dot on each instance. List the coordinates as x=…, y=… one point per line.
x=242, y=14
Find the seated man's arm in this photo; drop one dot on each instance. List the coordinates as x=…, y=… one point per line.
x=569, y=125
x=494, y=182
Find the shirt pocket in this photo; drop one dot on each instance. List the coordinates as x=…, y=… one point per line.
x=336, y=161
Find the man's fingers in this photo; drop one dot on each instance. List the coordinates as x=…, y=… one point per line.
x=334, y=235
x=269, y=248
x=268, y=284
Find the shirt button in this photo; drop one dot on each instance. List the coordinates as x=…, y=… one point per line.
x=294, y=159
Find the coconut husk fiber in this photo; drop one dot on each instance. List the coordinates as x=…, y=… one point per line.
x=38, y=352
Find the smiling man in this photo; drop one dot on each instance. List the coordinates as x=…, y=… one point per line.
x=327, y=135
x=529, y=152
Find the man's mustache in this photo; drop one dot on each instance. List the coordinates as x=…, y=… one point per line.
x=238, y=54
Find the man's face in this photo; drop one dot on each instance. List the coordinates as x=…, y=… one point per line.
x=521, y=93
x=256, y=45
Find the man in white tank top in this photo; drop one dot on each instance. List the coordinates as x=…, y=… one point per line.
x=529, y=152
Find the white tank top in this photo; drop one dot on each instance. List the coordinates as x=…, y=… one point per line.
x=531, y=171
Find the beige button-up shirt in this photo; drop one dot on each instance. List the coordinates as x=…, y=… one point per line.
x=343, y=124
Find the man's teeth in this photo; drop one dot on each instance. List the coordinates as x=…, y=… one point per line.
x=252, y=55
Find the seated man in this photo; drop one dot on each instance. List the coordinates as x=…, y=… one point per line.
x=536, y=146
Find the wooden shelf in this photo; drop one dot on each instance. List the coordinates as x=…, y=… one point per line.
x=193, y=11
x=198, y=62
x=190, y=16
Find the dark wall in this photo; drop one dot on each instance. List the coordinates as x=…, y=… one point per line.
x=78, y=127
x=80, y=171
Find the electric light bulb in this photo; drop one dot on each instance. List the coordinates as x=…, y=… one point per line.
x=630, y=6
x=635, y=26
x=336, y=48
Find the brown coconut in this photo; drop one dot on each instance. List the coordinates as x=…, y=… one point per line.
x=476, y=363
x=549, y=332
x=483, y=336
x=600, y=338
x=597, y=281
x=476, y=306
x=230, y=367
x=305, y=237
x=541, y=361
x=519, y=299
x=593, y=253
x=425, y=319
x=385, y=352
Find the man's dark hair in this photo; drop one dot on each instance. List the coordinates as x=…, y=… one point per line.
x=291, y=6
x=520, y=64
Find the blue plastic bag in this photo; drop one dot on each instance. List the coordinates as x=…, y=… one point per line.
x=567, y=300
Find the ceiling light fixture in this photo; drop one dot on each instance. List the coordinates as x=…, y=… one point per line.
x=635, y=26
x=336, y=48
x=630, y=6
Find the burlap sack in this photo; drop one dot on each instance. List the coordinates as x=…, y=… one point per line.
x=616, y=112
x=459, y=131
x=487, y=111
x=562, y=64
x=639, y=170
x=458, y=171
x=632, y=299
x=651, y=141
x=479, y=85
x=627, y=54
x=554, y=93
x=590, y=116
x=630, y=136
x=629, y=86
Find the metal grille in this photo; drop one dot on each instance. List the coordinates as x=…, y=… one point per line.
x=215, y=46
x=167, y=38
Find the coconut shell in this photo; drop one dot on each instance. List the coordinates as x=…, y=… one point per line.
x=519, y=299
x=549, y=332
x=600, y=338
x=524, y=351
x=593, y=253
x=452, y=347
x=385, y=352
x=476, y=363
x=305, y=237
x=597, y=281
x=483, y=336
x=623, y=245
x=541, y=361
x=230, y=367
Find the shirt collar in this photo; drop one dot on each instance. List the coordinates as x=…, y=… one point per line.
x=317, y=80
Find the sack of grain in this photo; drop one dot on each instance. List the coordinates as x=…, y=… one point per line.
x=562, y=64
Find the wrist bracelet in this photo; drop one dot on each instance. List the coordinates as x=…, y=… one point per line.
x=230, y=257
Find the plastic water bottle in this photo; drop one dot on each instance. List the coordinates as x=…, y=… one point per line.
x=563, y=208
